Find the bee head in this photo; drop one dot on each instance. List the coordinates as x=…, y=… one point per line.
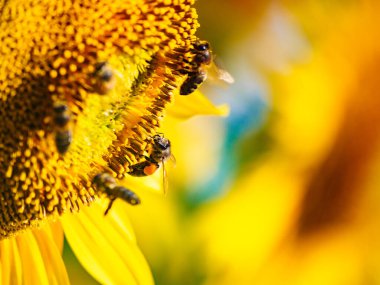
x=161, y=142
x=202, y=46
x=202, y=53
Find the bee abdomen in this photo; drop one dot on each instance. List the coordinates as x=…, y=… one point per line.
x=61, y=115
x=127, y=195
x=192, y=82
x=63, y=140
x=63, y=134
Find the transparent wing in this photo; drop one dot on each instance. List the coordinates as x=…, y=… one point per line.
x=165, y=181
x=217, y=73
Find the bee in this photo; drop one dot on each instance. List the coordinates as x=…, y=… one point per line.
x=161, y=152
x=105, y=79
x=107, y=184
x=202, y=64
x=192, y=82
x=63, y=132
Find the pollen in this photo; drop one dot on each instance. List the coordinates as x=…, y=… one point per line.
x=50, y=52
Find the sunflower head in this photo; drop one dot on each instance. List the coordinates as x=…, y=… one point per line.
x=83, y=88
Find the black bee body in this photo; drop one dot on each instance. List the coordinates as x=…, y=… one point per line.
x=197, y=73
x=63, y=132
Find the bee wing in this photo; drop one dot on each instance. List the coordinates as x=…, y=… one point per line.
x=225, y=76
x=118, y=74
x=172, y=160
x=217, y=73
x=165, y=182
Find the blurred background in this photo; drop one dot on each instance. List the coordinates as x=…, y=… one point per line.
x=285, y=190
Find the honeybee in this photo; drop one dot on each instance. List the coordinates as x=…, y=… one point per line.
x=63, y=132
x=161, y=152
x=202, y=64
x=105, y=79
x=107, y=184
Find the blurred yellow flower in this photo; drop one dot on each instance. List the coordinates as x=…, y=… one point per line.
x=302, y=214
x=63, y=146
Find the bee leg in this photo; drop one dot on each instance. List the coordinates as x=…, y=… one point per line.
x=63, y=132
x=109, y=205
x=138, y=169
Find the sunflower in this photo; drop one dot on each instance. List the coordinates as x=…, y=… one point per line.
x=84, y=86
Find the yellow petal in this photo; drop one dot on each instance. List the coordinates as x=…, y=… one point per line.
x=33, y=258
x=33, y=268
x=195, y=104
x=51, y=255
x=56, y=233
x=11, y=271
x=106, y=247
x=152, y=182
